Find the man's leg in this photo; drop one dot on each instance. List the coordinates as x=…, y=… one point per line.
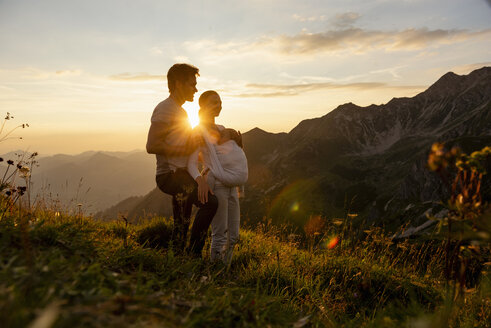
x=185, y=190
x=202, y=221
x=178, y=232
x=177, y=185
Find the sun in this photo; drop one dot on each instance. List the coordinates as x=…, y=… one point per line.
x=192, y=109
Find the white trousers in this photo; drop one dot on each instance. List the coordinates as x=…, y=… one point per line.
x=225, y=224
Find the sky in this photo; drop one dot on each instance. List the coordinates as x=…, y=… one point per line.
x=86, y=75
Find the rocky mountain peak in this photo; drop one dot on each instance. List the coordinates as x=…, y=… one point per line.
x=451, y=83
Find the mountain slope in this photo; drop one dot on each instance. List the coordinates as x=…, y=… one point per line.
x=371, y=160
x=96, y=180
x=364, y=157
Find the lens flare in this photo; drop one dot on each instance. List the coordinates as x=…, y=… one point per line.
x=295, y=207
x=331, y=243
x=192, y=108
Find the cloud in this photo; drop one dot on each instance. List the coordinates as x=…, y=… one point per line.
x=181, y=59
x=137, y=77
x=156, y=51
x=466, y=69
x=279, y=90
x=392, y=71
x=301, y=18
x=219, y=48
x=32, y=73
x=346, y=19
x=363, y=40
x=331, y=41
x=69, y=72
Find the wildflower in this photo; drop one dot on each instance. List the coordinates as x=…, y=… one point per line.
x=10, y=162
x=24, y=171
x=314, y=226
x=19, y=166
x=1, y=159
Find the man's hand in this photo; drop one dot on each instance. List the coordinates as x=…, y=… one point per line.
x=203, y=189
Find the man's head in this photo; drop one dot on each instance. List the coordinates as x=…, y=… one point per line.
x=181, y=80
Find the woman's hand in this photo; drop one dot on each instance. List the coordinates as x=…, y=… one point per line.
x=203, y=189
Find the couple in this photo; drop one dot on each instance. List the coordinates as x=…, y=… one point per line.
x=177, y=148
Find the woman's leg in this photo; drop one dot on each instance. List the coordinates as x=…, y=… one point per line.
x=219, y=223
x=233, y=223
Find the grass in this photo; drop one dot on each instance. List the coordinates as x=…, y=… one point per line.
x=77, y=272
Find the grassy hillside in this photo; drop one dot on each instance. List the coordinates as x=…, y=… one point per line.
x=72, y=271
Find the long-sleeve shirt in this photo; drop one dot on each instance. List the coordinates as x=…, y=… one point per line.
x=227, y=161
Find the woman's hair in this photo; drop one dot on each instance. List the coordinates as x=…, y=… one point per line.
x=203, y=99
x=205, y=96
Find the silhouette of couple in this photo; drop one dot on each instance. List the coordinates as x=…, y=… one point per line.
x=181, y=151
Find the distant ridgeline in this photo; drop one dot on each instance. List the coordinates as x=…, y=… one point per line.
x=93, y=180
x=368, y=160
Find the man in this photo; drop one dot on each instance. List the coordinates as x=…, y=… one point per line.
x=171, y=139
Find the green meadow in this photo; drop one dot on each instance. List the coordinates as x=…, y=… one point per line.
x=64, y=269
x=61, y=270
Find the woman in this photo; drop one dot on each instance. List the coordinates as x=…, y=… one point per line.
x=226, y=169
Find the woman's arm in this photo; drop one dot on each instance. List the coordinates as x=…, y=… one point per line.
x=193, y=164
x=203, y=187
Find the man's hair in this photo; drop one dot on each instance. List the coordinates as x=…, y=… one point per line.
x=180, y=72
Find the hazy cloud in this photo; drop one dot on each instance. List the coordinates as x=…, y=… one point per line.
x=137, y=77
x=181, y=59
x=362, y=40
x=156, y=51
x=69, y=72
x=466, y=69
x=278, y=90
x=351, y=38
x=346, y=19
x=393, y=71
x=32, y=73
x=301, y=18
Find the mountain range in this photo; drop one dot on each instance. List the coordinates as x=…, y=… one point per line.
x=369, y=160
x=366, y=160
x=95, y=180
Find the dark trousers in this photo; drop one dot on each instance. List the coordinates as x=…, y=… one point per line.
x=184, y=191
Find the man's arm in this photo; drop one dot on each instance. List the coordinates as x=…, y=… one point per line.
x=156, y=141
